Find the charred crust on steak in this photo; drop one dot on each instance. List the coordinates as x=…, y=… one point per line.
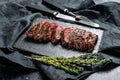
x=39, y=32
x=32, y=32
x=73, y=38
x=65, y=34
x=56, y=34
x=51, y=29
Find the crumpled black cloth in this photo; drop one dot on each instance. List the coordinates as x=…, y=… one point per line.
x=15, y=19
x=12, y=22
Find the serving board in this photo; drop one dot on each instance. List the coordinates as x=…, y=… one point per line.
x=48, y=49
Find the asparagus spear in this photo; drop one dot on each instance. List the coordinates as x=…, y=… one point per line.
x=63, y=65
x=103, y=61
x=71, y=64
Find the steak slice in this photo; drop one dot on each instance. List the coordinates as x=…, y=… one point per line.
x=86, y=37
x=55, y=37
x=45, y=31
x=76, y=39
x=32, y=32
x=81, y=40
x=65, y=34
x=92, y=42
x=51, y=29
x=37, y=36
x=39, y=32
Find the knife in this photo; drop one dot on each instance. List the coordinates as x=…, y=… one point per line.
x=65, y=10
x=84, y=21
x=61, y=8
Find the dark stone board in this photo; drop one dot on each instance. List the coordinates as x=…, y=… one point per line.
x=48, y=49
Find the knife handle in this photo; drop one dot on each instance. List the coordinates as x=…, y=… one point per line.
x=54, y=4
x=35, y=8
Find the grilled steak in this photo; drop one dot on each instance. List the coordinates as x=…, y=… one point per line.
x=51, y=29
x=45, y=31
x=39, y=32
x=30, y=33
x=91, y=42
x=65, y=34
x=74, y=38
x=79, y=39
x=56, y=34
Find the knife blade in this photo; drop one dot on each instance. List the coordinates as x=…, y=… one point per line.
x=84, y=21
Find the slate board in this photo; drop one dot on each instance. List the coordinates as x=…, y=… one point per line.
x=48, y=49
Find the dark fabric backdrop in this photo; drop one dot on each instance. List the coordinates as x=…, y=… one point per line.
x=14, y=19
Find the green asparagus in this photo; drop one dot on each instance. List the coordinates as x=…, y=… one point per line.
x=71, y=64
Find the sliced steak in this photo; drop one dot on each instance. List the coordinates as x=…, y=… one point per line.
x=45, y=31
x=32, y=32
x=55, y=37
x=87, y=36
x=79, y=39
x=39, y=32
x=74, y=38
x=92, y=42
x=37, y=35
x=65, y=34
x=51, y=29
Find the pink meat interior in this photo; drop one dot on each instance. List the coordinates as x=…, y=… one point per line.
x=58, y=31
x=67, y=33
